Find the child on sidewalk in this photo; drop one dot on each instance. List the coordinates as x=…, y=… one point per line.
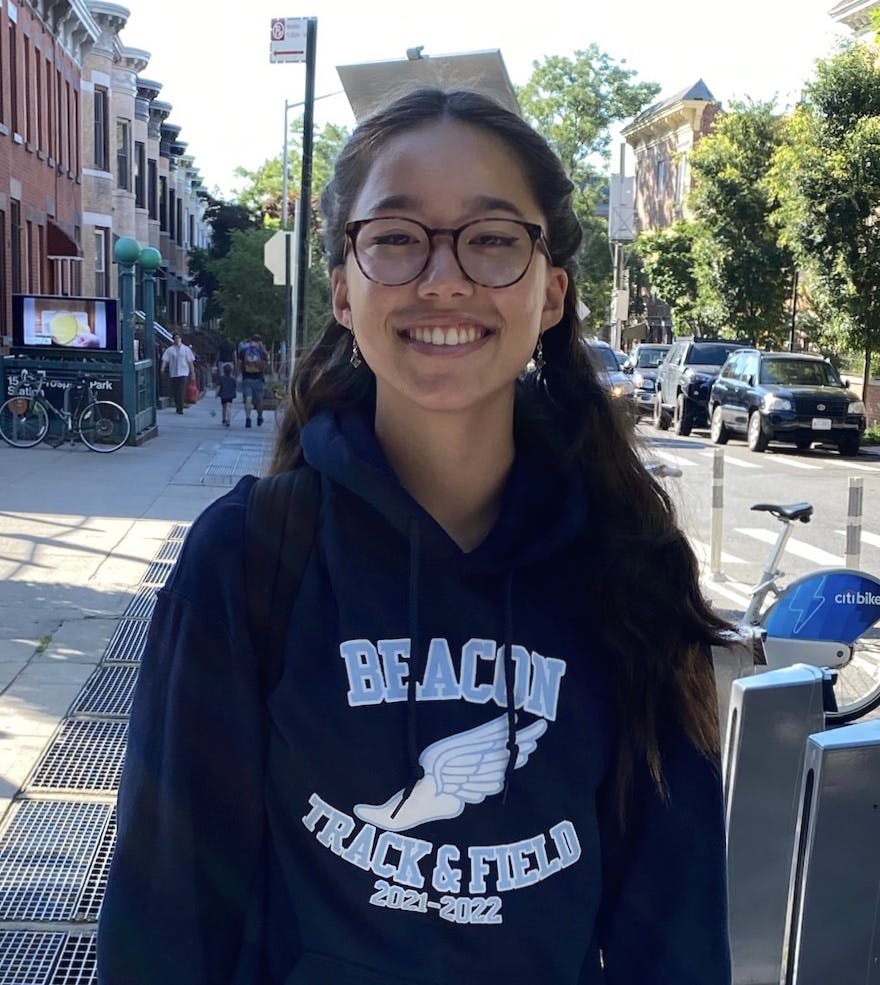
x=226, y=393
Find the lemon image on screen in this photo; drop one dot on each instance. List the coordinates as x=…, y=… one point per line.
x=64, y=328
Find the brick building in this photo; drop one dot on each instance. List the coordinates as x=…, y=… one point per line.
x=87, y=156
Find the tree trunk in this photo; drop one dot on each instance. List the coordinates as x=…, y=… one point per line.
x=866, y=376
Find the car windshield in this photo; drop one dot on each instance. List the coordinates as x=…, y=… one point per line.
x=799, y=372
x=710, y=353
x=604, y=360
x=650, y=358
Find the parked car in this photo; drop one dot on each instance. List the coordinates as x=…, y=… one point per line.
x=684, y=379
x=784, y=396
x=611, y=376
x=641, y=364
x=621, y=357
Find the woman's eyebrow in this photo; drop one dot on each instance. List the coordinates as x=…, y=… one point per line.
x=491, y=203
x=479, y=203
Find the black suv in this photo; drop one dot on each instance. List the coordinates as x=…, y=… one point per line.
x=684, y=379
x=784, y=396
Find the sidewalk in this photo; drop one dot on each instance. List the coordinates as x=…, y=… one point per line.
x=78, y=531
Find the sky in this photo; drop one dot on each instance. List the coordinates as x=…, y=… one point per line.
x=212, y=59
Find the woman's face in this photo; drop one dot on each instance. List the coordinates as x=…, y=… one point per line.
x=442, y=342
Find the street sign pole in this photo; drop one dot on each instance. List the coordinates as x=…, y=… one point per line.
x=305, y=197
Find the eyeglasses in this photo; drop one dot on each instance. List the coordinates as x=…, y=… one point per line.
x=393, y=250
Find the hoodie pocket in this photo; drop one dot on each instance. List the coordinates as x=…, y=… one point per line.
x=321, y=969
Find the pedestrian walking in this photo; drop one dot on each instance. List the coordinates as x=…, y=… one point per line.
x=489, y=750
x=254, y=361
x=226, y=393
x=178, y=362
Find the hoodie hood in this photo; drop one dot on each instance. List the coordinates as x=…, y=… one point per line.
x=542, y=506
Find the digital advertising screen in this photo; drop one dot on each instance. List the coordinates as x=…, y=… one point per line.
x=64, y=322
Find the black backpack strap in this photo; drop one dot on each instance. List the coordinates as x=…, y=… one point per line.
x=280, y=525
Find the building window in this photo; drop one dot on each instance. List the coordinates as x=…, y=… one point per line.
x=28, y=132
x=101, y=151
x=75, y=153
x=28, y=272
x=102, y=263
x=661, y=173
x=163, y=203
x=152, y=190
x=13, y=80
x=172, y=214
x=15, y=244
x=192, y=231
x=4, y=297
x=51, y=123
x=140, y=167
x=179, y=225
x=123, y=154
x=41, y=110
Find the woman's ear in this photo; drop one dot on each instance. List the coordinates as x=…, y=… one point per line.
x=339, y=294
x=554, y=297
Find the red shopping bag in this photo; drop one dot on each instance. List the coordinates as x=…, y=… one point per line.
x=192, y=392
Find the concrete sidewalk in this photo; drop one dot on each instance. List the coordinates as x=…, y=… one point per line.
x=78, y=531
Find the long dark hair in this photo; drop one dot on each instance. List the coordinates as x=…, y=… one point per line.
x=659, y=644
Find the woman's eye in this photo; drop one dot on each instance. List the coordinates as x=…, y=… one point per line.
x=393, y=239
x=493, y=240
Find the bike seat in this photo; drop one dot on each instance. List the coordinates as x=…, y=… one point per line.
x=794, y=511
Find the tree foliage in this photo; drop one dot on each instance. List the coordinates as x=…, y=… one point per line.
x=574, y=102
x=743, y=272
x=224, y=218
x=827, y=178
x=249, y=300
x=667, y=256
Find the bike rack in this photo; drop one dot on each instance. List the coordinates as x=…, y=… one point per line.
x=770, y=718
x=832, y=916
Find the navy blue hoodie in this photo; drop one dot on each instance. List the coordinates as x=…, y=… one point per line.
x=380, y=818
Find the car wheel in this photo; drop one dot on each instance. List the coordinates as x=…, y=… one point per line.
x=757, y=439
x=661, y=418
x=717, y=430
x=682, y=421
x=849, y=445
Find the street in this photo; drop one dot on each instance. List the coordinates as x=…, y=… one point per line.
x=782, y=475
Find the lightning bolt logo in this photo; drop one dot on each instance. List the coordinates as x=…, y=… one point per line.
x=807, y=608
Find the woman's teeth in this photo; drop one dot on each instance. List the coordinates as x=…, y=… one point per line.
x=445, y=336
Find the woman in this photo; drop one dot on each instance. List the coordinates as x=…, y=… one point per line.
x=492, y=753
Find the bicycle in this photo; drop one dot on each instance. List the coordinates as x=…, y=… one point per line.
x=101, y=425
x=828, y=618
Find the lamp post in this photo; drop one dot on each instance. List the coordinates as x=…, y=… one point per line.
x=126, y=251
x=149, y=260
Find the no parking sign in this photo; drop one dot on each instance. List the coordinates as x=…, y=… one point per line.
x=288, y=39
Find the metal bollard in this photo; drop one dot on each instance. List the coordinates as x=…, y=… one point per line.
x=832, y=918
x=771, y=716
x=717, y=531
x=854, y=524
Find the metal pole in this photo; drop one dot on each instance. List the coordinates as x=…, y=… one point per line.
x=794, y=294
x=284, y=191
x=305, y=197
x=716, y=533
x=854, y=524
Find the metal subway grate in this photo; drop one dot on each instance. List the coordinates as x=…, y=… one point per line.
x=78, y=964
x=169, y=550
x=96, y=883
x=27, y=958
x=107, y=693
x=46, y=854
x=84, y=756
x=127, y=642
x=142, y=603
x=231, y=462
x=179, y=531
x=157, y=573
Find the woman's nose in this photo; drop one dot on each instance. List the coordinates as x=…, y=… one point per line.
x=443, y=274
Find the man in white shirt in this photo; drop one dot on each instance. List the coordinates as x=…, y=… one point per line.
x=177, y=362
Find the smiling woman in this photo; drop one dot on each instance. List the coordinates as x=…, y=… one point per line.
x=477, y=761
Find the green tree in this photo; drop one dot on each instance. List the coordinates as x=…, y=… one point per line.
x=827, y=179
x=574, y=102
x=223, y=217
x=667, y=255
x=249, y=300
x=742, y=272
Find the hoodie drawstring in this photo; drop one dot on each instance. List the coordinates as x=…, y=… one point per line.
x=509, y=682
x=416, y=770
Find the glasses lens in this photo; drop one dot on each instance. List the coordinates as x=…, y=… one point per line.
x=495, y=252
x=391, y=251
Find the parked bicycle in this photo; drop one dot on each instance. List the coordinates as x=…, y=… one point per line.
x=829, y=618
x=101, y=425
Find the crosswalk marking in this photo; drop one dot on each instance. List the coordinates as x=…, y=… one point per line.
x=685, y=463
x=867, y=538
x=730, y=459
x=701, y=549
x=794, y=464
x=797, y=547
x=846, y=463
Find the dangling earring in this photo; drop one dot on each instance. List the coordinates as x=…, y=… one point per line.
x=355, y=352
x=538, y=357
